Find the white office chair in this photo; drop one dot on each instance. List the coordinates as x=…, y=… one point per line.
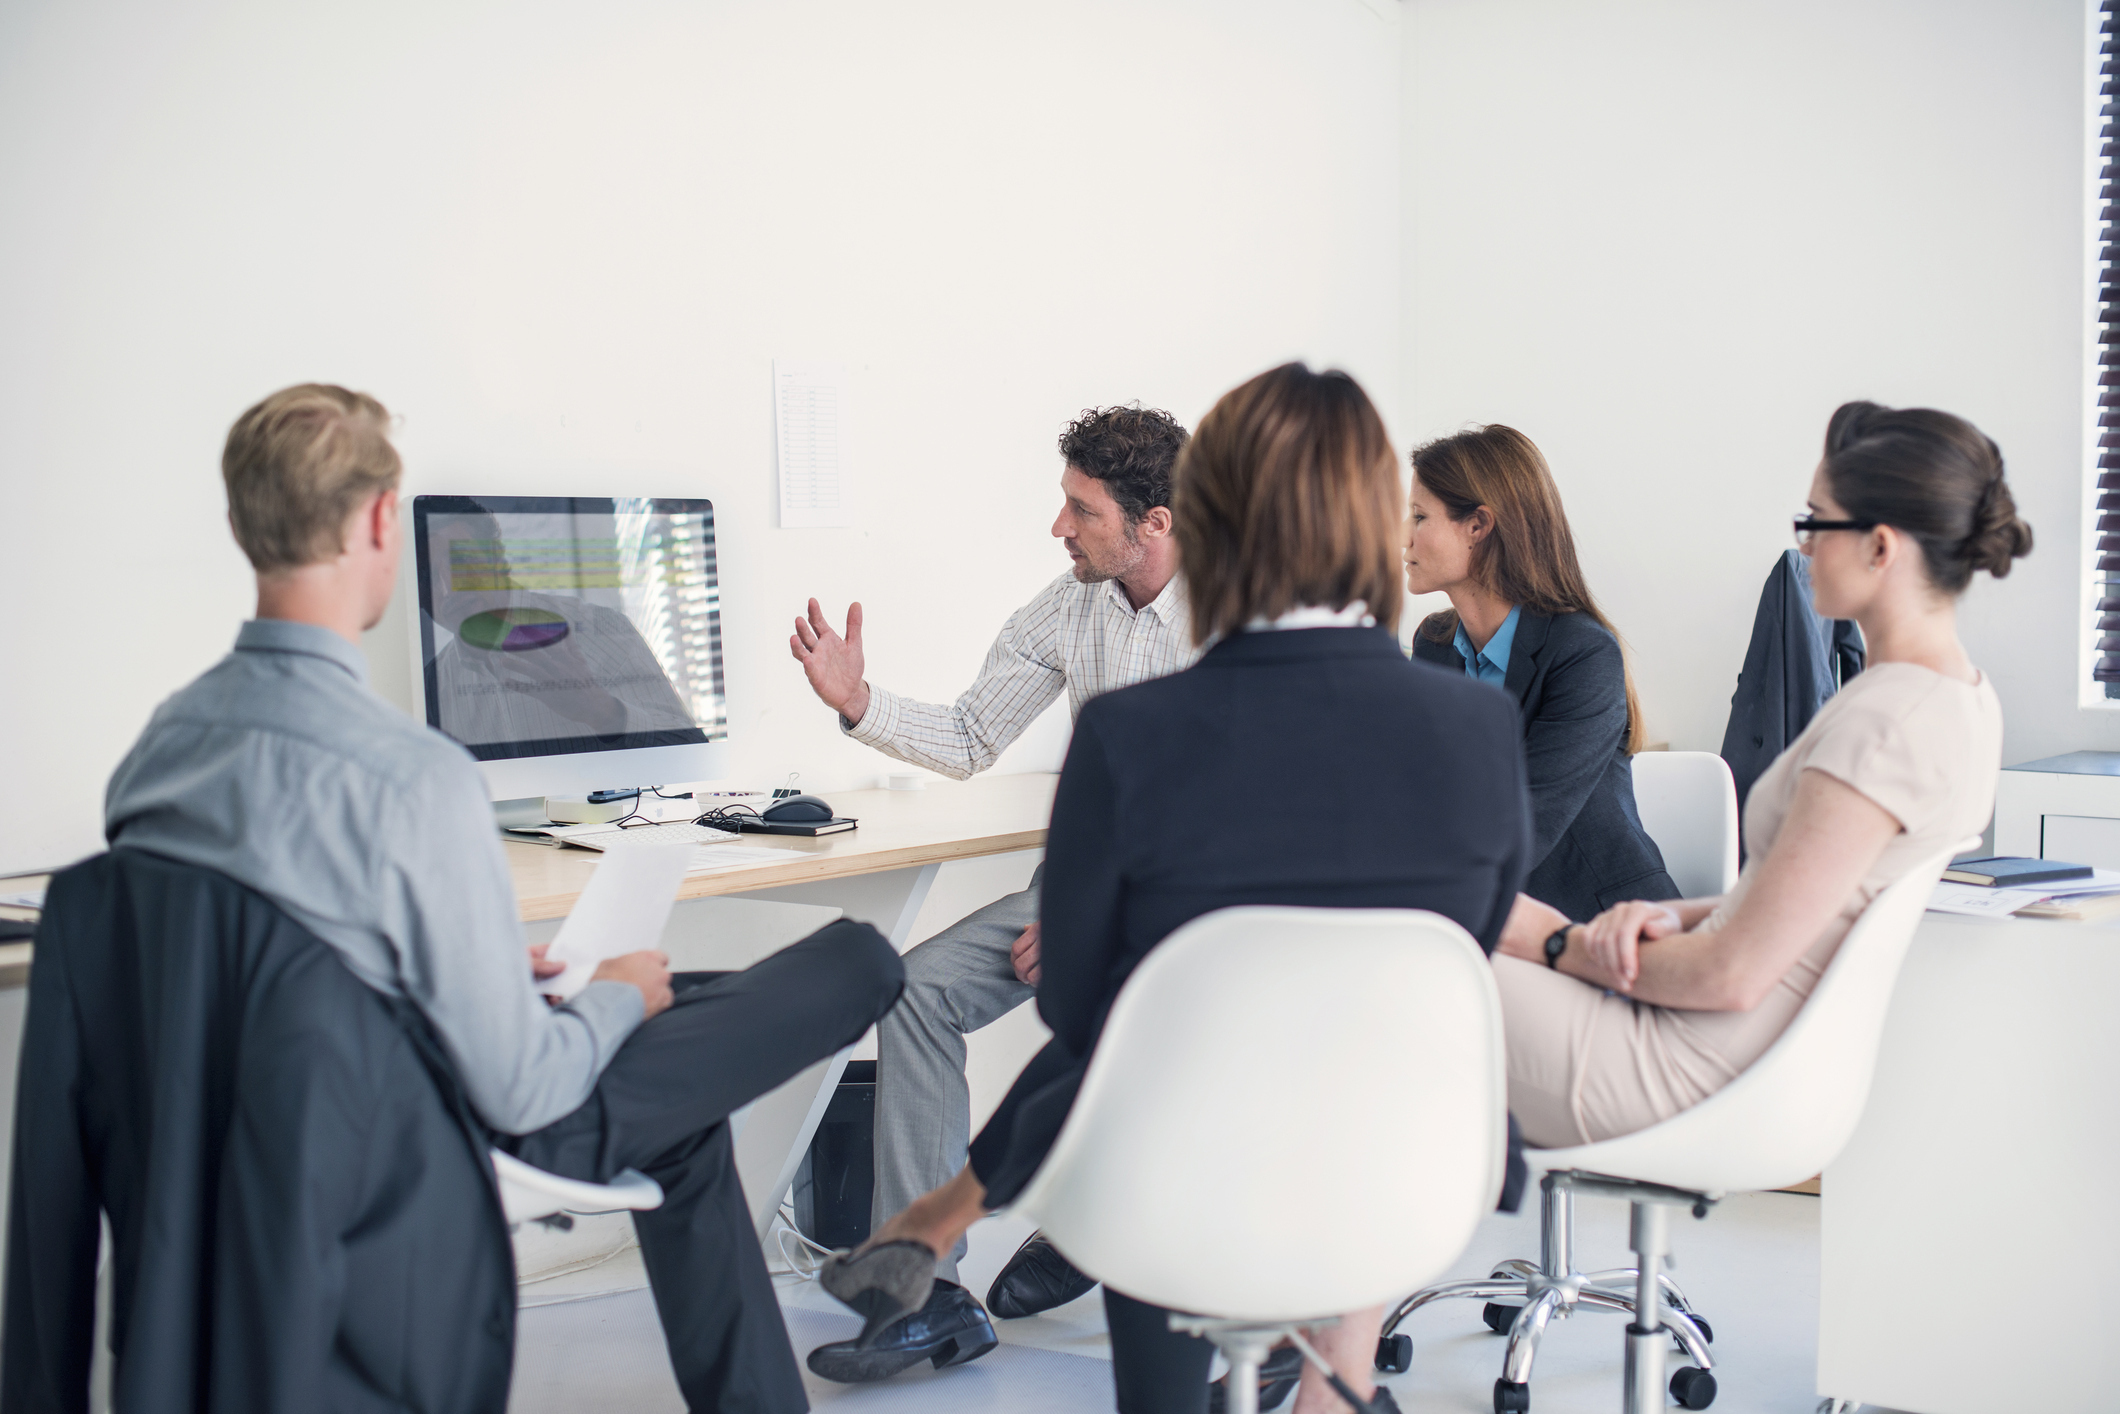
x=1369, y=1039
x=1688, y=804
x=532, y=1194
x=1780, y=1122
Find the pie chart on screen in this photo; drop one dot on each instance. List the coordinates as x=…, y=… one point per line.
x=513, y=630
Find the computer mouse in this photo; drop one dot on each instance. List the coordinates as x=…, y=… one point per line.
x=798, y=810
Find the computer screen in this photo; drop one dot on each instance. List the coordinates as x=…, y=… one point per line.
x=562, y=625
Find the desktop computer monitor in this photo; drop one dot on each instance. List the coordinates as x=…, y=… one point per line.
x=572, y=643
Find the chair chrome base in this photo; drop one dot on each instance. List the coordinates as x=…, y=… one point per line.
x=1552, y=1289
x=1245, y=1343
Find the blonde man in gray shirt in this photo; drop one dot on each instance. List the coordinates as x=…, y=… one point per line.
x=278, y=768
x=1117, y=617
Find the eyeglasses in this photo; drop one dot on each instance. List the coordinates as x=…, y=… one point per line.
x=1808, y=525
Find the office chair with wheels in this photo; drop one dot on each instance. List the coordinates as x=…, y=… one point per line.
x=1688, y=805
x=1373, y=1036
x=1780, y=1122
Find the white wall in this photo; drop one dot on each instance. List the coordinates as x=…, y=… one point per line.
x=1665, y=238
x=564, y=242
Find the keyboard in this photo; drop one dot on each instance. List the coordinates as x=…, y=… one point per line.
x=640, y=836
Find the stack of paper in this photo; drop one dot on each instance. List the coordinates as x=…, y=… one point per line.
x=2095, y=897
x=2081, y=899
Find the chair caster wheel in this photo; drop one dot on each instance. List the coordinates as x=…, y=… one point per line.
x=1693, y=1389
x=1499, y=1318
x=1511, y=1398
x=1707, y=1332
x=1394, y=1354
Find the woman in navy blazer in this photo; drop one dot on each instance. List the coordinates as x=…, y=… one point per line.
x=1485, y=526
x=1295, y=763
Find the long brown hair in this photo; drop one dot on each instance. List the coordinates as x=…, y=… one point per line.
x=1287, y=495
x=1529, y=557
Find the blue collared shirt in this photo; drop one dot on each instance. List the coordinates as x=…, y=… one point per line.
x=280, y=769
x=1489, y=664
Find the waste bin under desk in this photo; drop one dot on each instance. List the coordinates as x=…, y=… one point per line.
x=1965, y=1231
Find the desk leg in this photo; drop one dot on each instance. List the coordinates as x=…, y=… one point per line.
x=777, y=1127
x=891, y=900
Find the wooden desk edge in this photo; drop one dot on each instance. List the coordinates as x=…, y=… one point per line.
x=808, y=869
x=805, y=869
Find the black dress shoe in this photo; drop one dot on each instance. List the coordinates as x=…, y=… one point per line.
x=882, y=1285
x=1036, y=1279
x=951, y=1329
x=1278, y=1374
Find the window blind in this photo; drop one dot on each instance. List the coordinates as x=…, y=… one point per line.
x=2105, y=573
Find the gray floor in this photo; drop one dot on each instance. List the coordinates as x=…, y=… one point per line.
x=1751, y=1267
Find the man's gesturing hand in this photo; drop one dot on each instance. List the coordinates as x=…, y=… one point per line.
x=833, y=665
x=1023, y=954
x=648, y=970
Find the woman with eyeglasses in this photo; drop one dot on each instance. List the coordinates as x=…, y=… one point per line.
x=1484, y=525
x=1622, y=1021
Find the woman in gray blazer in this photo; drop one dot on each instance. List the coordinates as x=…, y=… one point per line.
x=1485, y=526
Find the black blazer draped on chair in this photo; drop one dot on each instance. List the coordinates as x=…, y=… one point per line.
x=302, y=1209
x=1313, y=767
x=1793, y=663
x=1589, y=850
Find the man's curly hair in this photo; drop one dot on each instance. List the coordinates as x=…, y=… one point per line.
x=1131, y=450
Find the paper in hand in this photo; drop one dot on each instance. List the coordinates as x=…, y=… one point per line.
x=623, y=910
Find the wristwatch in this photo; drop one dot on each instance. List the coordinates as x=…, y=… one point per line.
x=1557, y=944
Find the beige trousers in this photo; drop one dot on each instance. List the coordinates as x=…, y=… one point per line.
x=1586, y=1064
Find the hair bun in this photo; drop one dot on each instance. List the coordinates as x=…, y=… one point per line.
x=1998, y=536
x=1850, y=422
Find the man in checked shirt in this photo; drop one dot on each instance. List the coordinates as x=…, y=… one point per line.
x=1117, y=618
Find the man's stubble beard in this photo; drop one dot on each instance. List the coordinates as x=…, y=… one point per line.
x=1089, y=572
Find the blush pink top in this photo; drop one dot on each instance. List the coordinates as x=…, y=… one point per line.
x=1922, y=746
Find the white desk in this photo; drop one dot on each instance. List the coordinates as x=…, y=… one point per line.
x=2063, y=807
x=1967, y=1229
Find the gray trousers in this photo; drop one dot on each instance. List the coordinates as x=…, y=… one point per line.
x=955, y=983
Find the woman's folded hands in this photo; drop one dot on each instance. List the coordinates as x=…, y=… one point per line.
x=1613, y=939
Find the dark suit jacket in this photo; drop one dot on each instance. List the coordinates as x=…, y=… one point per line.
x=1589, y=850
x=1313, y=767
x=1795, y=661
x=301, y=1205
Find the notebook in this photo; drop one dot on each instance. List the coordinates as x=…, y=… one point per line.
x=2008, y=873
x=792, y=827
